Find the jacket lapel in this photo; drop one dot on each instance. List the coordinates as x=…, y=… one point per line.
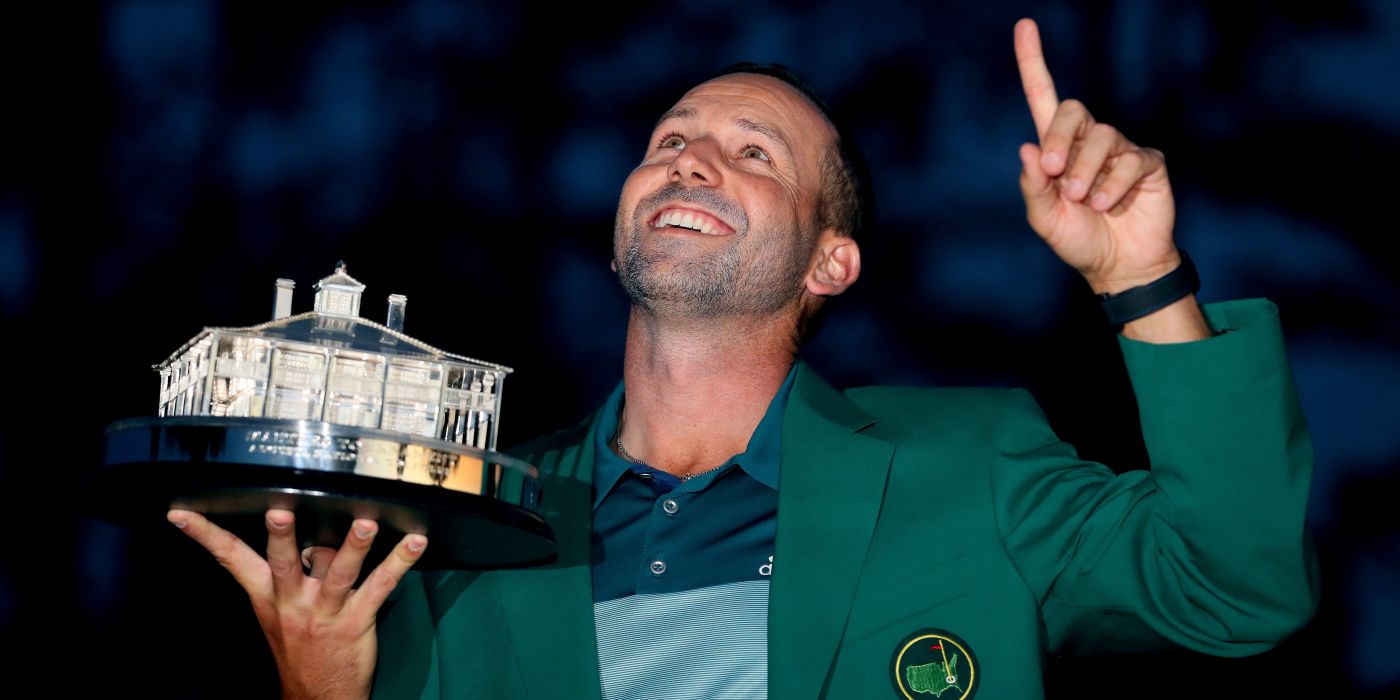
x=549, y=609
x=831, y=485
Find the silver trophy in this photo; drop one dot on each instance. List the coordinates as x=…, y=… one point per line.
x=335, y=417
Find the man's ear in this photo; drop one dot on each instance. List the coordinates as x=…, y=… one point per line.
x=835, y=264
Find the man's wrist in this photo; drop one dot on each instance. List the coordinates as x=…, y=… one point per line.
x=1151, y=296
x=1179, y=322
x=1120, y=281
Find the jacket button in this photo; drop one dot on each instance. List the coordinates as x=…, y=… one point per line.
x=658, y=567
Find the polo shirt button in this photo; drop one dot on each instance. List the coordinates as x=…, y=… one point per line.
x=658, y=567
x=670, y=506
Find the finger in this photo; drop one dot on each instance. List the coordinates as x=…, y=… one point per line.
x=1084, y=166
x=385, y=577
x=1038, y=187
x=1128, y=170
x=318, y=560
x=345, y=567
x=1072, y=120
x=248, y=569
x=1035, y=76
x=283, y=554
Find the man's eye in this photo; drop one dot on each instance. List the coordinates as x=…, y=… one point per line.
x=753, y=152
x=671, y=141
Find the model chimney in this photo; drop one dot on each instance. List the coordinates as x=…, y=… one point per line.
x=397, y=304
x=282, y=303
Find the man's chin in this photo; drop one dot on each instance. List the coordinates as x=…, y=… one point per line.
x=684, y=294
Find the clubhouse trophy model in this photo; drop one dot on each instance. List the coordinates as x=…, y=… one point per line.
x=335, y=417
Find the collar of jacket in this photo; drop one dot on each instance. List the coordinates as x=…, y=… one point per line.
x=831, y=484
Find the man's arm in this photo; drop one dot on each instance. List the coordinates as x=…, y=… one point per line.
x=1208, y=550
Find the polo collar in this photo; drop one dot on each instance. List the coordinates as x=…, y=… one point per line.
x=759, y=460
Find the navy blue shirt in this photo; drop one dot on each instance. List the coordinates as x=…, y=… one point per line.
x=681, y=568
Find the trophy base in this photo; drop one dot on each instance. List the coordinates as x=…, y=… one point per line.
x=464, y=532
x=150, y=468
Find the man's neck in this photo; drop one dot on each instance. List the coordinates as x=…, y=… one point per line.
x=697, y=388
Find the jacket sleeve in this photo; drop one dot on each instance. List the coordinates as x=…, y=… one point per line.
x=1208, y=550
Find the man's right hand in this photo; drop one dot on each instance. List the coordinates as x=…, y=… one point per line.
x=321, y=630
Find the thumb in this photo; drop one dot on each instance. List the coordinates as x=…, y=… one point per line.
x=1037, y=187
x=318, y=560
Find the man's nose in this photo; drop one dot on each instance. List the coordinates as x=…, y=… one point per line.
x=696, y=164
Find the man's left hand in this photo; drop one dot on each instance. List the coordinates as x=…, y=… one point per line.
x=1101, y=202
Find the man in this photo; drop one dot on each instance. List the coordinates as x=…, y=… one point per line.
x=731, y=526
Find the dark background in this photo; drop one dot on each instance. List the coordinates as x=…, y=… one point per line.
x=161, y=163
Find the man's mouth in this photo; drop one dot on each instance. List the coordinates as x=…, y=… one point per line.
x=690, y=220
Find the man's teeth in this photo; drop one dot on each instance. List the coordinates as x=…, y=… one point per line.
x=685, y=220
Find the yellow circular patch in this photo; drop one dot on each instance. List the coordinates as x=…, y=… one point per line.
x=934, y=663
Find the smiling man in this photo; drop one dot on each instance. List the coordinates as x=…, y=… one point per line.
x=731, y=526
x=742, y=163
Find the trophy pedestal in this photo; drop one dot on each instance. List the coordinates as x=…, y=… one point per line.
x=477, y=507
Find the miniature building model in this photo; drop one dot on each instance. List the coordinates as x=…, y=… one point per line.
x=329, y=364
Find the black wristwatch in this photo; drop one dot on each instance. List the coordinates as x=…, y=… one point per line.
x=1132, y=304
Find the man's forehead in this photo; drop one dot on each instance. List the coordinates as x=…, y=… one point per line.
x=755, y=99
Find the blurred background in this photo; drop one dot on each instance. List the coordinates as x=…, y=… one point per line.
x=162, y=162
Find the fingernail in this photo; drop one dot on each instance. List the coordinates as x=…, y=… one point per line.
x=1051, y=161
x=363, y=532
x=278, y=521
x=416, y=543
x=179, y=522
x=1100, y=201
x=1076, y=188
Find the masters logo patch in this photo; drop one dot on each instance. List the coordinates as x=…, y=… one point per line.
x=934, y=663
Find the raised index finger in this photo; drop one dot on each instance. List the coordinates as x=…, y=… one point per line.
x=1035, y=76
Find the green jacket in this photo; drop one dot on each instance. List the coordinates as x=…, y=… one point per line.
x=958, y=510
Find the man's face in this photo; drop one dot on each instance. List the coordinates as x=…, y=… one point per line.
x=719, y=218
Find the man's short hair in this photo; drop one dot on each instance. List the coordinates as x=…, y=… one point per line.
x=843, y=201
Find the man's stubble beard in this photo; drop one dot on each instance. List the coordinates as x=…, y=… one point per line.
x=719, y=284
